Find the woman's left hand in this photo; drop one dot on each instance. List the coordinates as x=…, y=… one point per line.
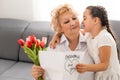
x=81, y=68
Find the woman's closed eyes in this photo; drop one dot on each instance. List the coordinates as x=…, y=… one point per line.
x=74, y=18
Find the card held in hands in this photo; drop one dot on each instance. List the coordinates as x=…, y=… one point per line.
x=61, y=65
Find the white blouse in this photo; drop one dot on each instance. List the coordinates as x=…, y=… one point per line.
x=82, y=46
x=104, y=38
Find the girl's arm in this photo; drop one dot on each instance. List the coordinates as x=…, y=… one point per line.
x=103, y=65
x=56, y=38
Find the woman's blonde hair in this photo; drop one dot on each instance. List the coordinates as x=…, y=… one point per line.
x=56, y=13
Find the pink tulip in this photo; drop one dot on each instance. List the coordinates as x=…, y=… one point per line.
x=44, y=39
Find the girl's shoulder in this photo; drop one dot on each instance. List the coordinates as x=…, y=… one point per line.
x=105, y=38
x=104, y=34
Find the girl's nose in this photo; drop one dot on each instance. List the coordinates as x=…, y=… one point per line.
x=82, y=22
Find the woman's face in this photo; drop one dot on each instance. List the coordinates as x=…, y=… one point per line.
x=70, y=24
x=88, y=21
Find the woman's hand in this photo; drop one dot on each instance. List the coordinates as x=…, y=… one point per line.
x=55, y=40
x=37, y=71
x=81, y=68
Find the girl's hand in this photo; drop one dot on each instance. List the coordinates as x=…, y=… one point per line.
x=82, y=31
x=37, y=71
x=81, y=68
x=55, y=40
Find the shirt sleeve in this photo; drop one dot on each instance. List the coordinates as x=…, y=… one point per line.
x=105, y=40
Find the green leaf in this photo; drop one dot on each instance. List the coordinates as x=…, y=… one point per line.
x=32, y=55
x=40, y=78
x=29, y=51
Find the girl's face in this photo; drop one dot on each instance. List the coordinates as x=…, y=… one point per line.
x=88, y=21
x=69, y=24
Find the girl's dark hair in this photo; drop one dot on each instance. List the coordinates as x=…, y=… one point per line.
x=101, y=13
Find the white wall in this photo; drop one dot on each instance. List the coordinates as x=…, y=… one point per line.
x=20, y=9
x=41, y=9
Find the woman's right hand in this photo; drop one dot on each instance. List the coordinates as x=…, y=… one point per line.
x=37, y=71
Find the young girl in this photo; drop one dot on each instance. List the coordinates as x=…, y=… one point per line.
x=101, y=45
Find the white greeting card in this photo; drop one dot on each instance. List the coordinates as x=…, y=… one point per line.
x=61, y=65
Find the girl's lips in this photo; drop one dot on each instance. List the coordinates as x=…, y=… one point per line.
x=83, y=25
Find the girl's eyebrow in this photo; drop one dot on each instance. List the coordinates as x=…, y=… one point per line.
x=84, y=16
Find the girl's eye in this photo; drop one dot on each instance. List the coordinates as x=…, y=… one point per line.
x=84, y=18
x=66, y=22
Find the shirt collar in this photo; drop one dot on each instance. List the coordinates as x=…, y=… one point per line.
x=82, y=38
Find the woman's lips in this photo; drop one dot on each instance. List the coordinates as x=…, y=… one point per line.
x=73, y=27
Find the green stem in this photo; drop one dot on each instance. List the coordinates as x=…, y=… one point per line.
x=40, y=78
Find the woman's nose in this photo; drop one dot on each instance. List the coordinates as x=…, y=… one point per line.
x=72, y=23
